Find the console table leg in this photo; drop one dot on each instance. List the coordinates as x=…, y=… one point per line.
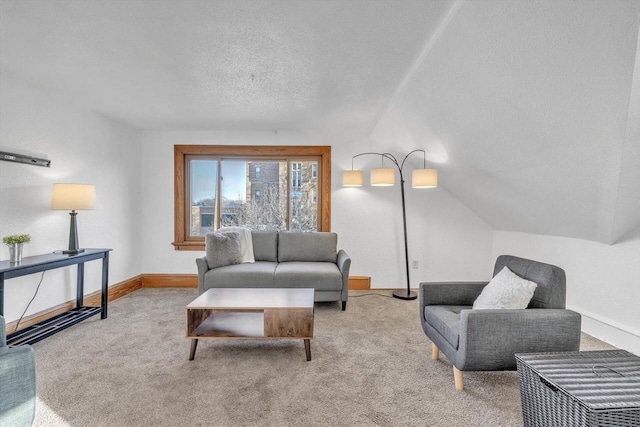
x=104, y=300
x=307, y=349
x=80, y=286
x=192, y=353
x=1, y=294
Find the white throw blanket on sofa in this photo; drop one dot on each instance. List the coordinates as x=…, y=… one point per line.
x=246, y=242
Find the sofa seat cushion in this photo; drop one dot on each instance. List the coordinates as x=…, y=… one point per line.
x=446, y=320
x=256, y=275
x=322, y=276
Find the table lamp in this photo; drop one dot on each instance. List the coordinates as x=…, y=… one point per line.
x=73, y=197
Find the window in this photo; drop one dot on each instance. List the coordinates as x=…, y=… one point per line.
x=214, y=187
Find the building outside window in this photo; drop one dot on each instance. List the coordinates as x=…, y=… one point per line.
x=296, y=175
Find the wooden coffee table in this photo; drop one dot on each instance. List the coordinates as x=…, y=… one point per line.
x=256, y=313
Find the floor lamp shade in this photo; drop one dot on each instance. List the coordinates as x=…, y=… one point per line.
x=352, y=178
x=72, y=197
x=424, y=178
x=382, y=177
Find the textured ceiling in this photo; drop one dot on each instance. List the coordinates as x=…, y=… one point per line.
x=531, y=109
x=535, y=106
x=223, y=64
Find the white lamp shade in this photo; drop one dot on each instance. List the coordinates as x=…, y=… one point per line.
x=382, y=177
x=352, y=178
x=424, y=178
x=73, y=197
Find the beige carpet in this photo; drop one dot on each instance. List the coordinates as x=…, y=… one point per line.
x=371, y=366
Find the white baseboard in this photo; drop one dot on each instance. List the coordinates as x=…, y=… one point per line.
x=609, y=331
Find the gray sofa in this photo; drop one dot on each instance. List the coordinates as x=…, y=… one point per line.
x=486, y=340
x=286, y=260
x=17, y=383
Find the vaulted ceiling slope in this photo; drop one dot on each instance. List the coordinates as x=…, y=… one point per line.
x=530, y=108
x=533, y=108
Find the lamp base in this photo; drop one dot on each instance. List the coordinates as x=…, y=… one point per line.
x=404, y=294
x=73, y=251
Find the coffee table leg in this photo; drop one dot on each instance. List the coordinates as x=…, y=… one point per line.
x=192, y=353
x=307, y=349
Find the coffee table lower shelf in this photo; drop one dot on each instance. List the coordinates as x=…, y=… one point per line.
x=268, y=323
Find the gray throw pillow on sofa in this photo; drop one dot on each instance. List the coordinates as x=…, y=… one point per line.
x=222, y=249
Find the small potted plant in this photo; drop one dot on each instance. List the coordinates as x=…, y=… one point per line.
x=15, y=243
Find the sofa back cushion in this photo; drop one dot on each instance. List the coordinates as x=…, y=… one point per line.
x=265, y=245
x=312, y=247
x=551, y=280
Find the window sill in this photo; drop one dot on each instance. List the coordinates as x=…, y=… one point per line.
x=188, y=246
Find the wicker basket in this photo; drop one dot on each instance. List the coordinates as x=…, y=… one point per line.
x=591, y=388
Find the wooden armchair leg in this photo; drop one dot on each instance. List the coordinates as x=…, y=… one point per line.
x=457, y=376
x=435, y=352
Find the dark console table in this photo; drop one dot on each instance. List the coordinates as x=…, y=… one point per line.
x=39, y=263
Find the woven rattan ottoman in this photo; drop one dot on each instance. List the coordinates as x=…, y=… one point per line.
x=587, y=388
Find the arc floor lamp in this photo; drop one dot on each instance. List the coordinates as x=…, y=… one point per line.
x=420, y=178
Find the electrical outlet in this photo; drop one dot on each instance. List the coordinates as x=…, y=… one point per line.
x=414, y=264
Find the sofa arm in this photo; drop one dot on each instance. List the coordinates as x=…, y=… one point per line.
x=203, y=267
x=17, y=386
x=344, y=264
x=449, y=293
x=490, y=338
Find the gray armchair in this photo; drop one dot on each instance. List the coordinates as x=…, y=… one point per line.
x=486, y=340
x=17, y=383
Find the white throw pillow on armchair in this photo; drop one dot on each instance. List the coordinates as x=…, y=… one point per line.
x=506, y=291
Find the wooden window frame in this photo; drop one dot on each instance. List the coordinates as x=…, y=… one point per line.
x=182, y=239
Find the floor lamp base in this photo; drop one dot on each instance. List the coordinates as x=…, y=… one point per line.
x=404, y=294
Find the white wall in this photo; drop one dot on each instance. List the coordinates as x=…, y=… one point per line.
x=603, y=281
x=85, y=148
x=447, y=239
